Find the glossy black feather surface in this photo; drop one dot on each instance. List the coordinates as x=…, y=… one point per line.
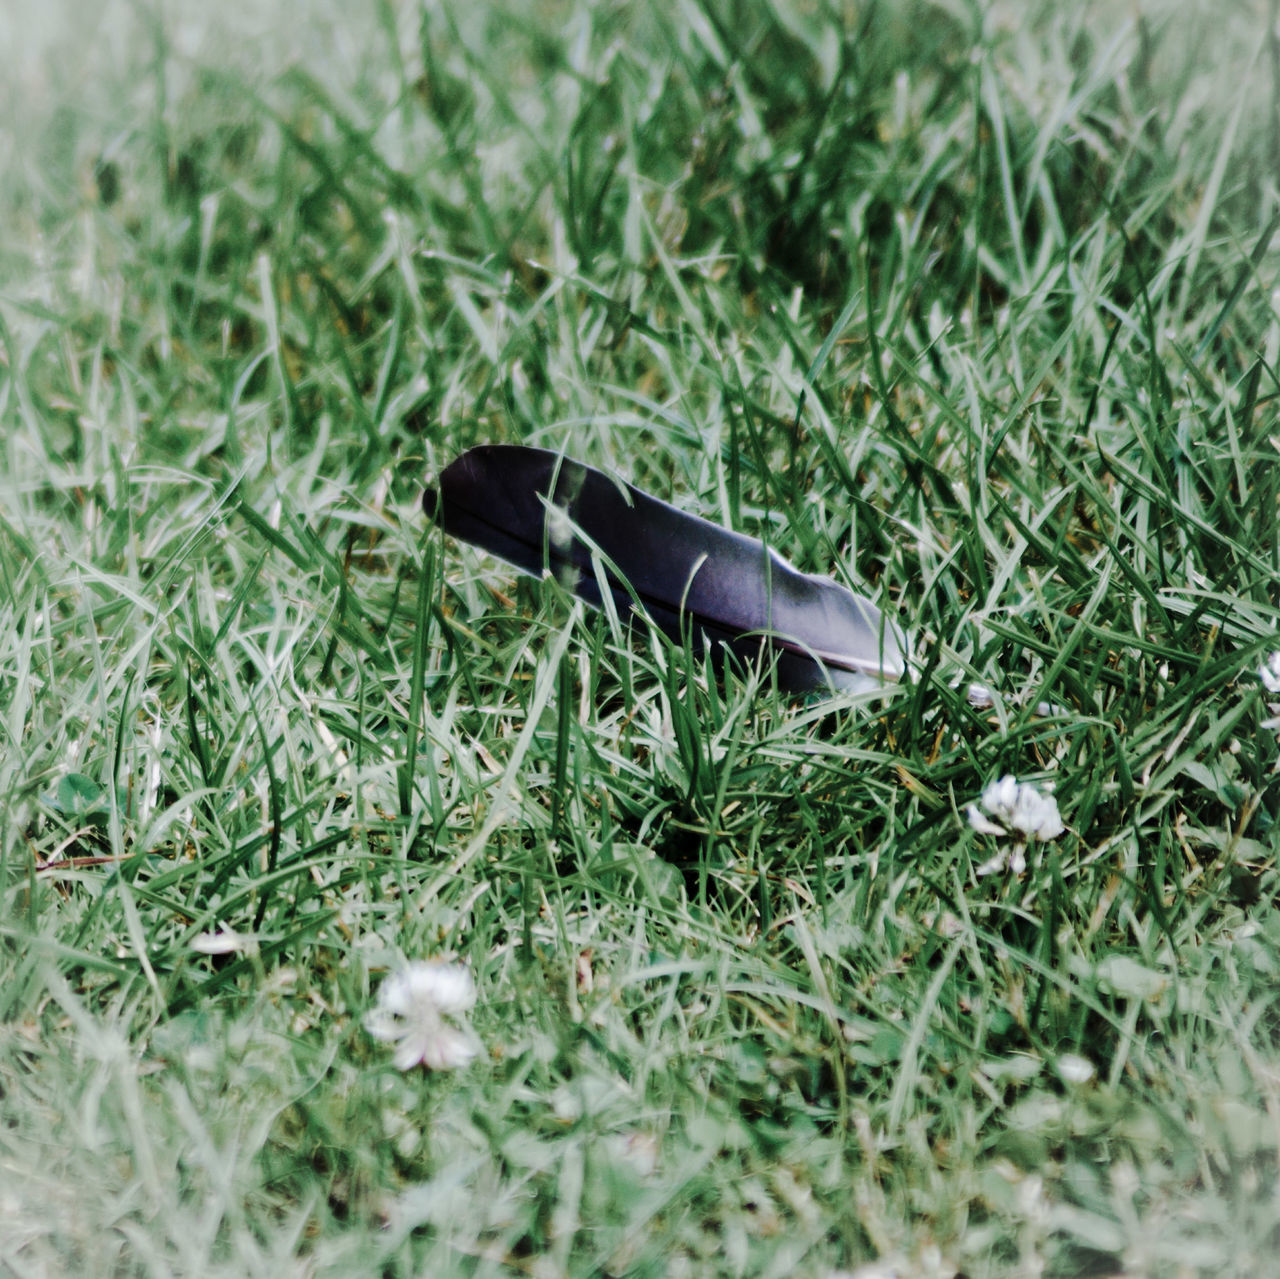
x=539, y=511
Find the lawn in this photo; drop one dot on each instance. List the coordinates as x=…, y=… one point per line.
x=972, y=307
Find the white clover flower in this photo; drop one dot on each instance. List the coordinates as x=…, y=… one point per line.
x=411, y=1011
x=1018, y=811
x=1269, y=673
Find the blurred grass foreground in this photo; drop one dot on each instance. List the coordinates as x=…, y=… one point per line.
x=366, y=910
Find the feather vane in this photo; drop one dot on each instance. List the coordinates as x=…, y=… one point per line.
x=541, y=511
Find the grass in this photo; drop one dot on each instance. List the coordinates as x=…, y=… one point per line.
x=970, y=305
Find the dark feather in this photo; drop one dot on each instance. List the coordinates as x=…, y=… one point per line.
x=541, y=511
